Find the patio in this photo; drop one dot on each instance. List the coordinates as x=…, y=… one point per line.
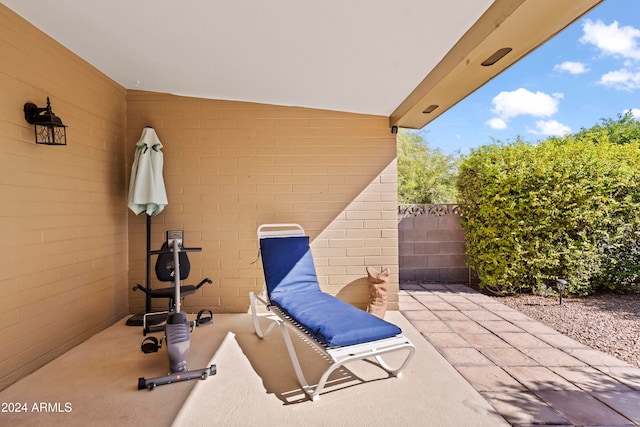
x=478, y=362
x=231, y=164
x=530, y=373
x=267, y=113
x=254, y=382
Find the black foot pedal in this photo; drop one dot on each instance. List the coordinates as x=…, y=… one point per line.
x=151, y=345
x=205, y=317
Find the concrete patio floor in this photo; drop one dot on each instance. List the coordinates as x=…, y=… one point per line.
x=478, y=363
x=527, y=371
x=95, y=384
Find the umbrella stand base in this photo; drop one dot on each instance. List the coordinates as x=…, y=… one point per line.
x=138, y=319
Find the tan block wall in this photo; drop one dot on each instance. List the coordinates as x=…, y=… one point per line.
x=431, y=244
x=231, y=166
x=62, y=209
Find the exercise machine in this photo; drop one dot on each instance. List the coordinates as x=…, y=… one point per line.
x=177, y=329
x=165, y=272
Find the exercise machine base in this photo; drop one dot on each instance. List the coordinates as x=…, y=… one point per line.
x=152, y=383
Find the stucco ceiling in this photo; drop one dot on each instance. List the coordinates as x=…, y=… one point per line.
x=390, y=58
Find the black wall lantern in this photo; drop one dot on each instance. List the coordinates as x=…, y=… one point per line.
x=49, y=128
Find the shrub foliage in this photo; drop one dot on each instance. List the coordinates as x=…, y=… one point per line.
x=563, y=208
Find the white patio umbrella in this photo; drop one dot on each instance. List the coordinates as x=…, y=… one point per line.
x=147, y=192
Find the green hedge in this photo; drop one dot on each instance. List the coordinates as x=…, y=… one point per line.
x=564, y=208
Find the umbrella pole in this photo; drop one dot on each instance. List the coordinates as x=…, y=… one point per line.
x=139, y=318
x=148, y=282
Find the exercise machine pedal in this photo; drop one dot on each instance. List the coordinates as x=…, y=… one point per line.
x=151, y=345
x=204, y=317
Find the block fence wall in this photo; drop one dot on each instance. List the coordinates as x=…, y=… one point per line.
x=431, y=244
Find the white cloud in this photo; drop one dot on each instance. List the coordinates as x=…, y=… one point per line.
x=550, y=128
x=612, y=39
x=571, y=67
x=621, y=79
x=496, y=123
x=635, y=112
x=507, y=105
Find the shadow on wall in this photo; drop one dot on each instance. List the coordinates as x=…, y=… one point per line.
x=357, y=290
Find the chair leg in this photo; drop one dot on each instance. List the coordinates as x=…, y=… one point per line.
x=315, y=395
x=396, y=372
x=296, y=363
x=254, y=317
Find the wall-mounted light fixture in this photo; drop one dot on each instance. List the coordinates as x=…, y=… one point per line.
x=49, y=128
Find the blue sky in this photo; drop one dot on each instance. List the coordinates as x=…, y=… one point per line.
x=588, y=72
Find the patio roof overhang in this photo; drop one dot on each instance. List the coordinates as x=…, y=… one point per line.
x=394, y=59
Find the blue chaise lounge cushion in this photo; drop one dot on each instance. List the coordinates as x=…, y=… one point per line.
x=293, y=286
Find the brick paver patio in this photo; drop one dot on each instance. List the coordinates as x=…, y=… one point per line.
x=530, y=373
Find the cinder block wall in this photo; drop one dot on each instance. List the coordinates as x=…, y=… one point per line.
x=63, y=209
x=231, y=166
x=431, y=244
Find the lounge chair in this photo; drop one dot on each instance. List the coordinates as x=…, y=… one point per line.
x=342, y=332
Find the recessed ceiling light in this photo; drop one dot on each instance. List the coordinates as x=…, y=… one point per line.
x=500, y=53
x=430, y=109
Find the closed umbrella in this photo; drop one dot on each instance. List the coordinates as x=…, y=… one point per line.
x=146, y=189
x=147, y=192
